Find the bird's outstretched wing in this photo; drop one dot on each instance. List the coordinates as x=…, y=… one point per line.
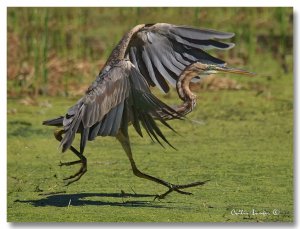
x=162, y=51
x=121, y=90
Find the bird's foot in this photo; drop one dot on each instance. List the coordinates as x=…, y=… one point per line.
x=75, y=177
x=177, y=188
x=69, y=163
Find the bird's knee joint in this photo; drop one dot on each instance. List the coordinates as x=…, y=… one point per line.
x=137, y=173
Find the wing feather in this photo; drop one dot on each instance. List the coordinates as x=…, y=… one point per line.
x=193, y=33
x=150, y=69
x=162, y=51
x=100, y=110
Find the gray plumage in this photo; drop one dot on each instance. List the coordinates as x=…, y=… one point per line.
x=147, y=56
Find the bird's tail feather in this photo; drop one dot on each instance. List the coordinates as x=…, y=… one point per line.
x=54, y=122
x=71, y=123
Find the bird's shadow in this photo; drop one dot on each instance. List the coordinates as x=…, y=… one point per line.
x=124, y=200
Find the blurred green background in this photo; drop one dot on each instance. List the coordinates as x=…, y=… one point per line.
x=56, y=51
x=241, y=138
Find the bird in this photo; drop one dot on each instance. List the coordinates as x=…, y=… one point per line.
x=158, y=55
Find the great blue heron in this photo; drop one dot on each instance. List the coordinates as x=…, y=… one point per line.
x=148, y=55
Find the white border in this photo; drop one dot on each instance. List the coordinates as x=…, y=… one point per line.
x=90, y=3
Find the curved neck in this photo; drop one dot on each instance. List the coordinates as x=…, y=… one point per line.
x=183, y=89
x=119, y=51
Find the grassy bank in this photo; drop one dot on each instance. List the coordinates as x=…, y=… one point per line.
x=243, y=144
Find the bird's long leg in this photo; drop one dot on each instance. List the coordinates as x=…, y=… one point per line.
x=124, y=140
x=82, y=170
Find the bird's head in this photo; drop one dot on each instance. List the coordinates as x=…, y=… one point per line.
x=200, y=69
x=213, y=69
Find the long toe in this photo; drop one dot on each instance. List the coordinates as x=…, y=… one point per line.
x=69, y=163
x=177, y=188
x=74, y=178
x=194, y=184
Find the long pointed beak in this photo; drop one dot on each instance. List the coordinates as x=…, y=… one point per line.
x=232, y=70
